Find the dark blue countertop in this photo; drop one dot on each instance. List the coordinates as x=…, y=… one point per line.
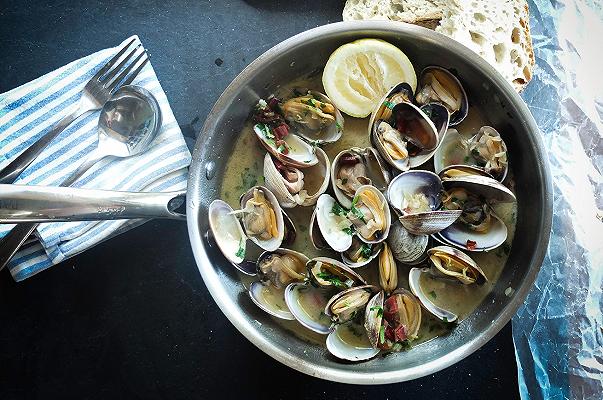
x=132, y=318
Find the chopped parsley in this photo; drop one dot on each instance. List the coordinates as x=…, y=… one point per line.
x=379, y=310
x=389, y=104
x=344, y=181
x=338, y=210
x=366, y=251
x=350, y=231
x=241, y=252
x=433, y=294
x=334, y=280
x=382, y=334
x=338, y=125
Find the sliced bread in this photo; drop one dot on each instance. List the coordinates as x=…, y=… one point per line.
x=498, y=31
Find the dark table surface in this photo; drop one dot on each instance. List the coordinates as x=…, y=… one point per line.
x=132, y=317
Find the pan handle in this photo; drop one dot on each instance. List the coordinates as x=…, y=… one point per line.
x=20, y=203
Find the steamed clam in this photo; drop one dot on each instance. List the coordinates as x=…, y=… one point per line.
x=272, y=131
x=452, y=263
x=405, y=246
x=388, y=271
x=314, y=117
x=354, y=168
x=293, y=186
x=438, y=85
x=360, y=253
x=490, y=152
x=478, y=227
x=348, y=304
x=415, y=195
x=368, y=219
x=393, y=322
x=276, y=270
x=402, y=133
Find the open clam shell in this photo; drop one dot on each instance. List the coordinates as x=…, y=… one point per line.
x=409, y=138
x=415, y=195
x=307, y=304
x=316, y=238
x=360, y=253
x=437, y=84
x=489, y=150
x=450, y=263
x=310, y=182
x=489, y=188
x=315, y=134
x=348, y=304
x=458, y=171
x=334, y=226
x=370, y=229
x=373, y=316
x=349, y=342
x=414, y=281
x=347, y=176
x=329, y=273
x=400, y=93
x=295, y=151
x=405, y=246
x=270, y=299
x=463, y=237
x=281, y=267
x=229, y=236
x=274, y=241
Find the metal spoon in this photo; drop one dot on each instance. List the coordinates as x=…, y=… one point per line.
x=128, y=123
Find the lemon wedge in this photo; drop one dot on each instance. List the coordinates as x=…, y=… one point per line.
x=358, y=74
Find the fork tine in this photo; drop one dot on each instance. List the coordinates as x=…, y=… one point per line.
x=109, y=75
x=115, y=82
x=135, y=73
x=113, y=60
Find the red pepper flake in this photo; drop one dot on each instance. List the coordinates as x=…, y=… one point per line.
x=471, y=245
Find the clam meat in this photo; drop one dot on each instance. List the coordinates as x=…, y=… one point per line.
x=490, y=151
x=282, y=269
x=309, y=111
x=259, y=217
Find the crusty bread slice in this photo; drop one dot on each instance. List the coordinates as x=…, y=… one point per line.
x=427, y=13
x=498, y=31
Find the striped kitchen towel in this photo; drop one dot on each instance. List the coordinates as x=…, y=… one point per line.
x=30, y=111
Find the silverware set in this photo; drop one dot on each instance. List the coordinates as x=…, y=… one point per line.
x=129, y=121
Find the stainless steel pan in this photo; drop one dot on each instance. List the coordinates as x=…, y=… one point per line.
x=308, y=52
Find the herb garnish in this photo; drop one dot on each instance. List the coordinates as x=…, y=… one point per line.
x=350, y=231
x=433, y=294
x=366, y=250
x=379, y=310
x=335, y=281
x=241, y=252
x=338, y=210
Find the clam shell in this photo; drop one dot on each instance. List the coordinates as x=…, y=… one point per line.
x=414, y=282
x=301, y=154
x=330, y=134
x=303, y=259
x=405, y=246
x=316, y=238
x=428, y=183
x=388, y=270
x=340, y=346
x=460, y=257
x=489, y=188
x=257, y=293
x=337, y=239
x=376, y=170
x=298, y=295
x=344, y=294
x=429, y=142
x=459, y=234
x=386, y=212
x=345, y=274
x=373, y=316
x=275, y=181
x=227, y=232
x=275, y=242
x=385, y=105
x=376, y=249
x=454, y=171
x=458, y=116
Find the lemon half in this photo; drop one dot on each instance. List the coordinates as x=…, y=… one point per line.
x=358, y=74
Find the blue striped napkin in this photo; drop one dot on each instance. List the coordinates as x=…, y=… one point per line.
x=30, y=111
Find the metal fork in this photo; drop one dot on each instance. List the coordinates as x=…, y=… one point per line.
x=95, y=94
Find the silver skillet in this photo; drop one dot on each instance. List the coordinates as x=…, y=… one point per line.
x=308, y=52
